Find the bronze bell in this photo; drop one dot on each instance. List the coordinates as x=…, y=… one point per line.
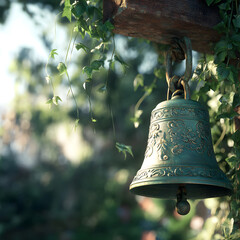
x=179, y=159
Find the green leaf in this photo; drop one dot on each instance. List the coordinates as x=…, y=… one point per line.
x=232, y=54
x=112, y=64
x=55, y=100
x=209, y=2
x=222, y=71
x=231, y=77
x=76, y=124
x=91, y=10
x=49, y=101
x=124, y=149
x=235, y=236
x=236, y=38
x=102, y=31
x=94, y=33
x=224, y=6
x=76, y=29
x=148, y=89
x=236, y=100
x=82, y=32
x=83, y=24
x=67, y=10
x=88, y=70
x=232, y=161
x=93, y=120
x=109, y=25
x=236, y=21
x=159, y=73
x=53, y=53
x=82, y=46
x=228, y=226
x=120, y=60
x=62, y=68
x=236, y=137
x=95, y=65
x=221, y=27
x=221, y=46
x=138, y=81
x=229, y=115
x=225, y=99
x=79, y=8
x=221, y=57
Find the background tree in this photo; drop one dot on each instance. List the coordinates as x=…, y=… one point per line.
x=61, y=183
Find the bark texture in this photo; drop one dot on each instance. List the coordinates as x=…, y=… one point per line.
x=162, y=20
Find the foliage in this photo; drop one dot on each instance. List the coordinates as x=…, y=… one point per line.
x=220, y=75
x=59, y=200
x=88, y=23
x=124, y=149
x=224, y=82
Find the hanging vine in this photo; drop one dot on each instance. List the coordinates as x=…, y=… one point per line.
x=218, y=74
x=87, y=20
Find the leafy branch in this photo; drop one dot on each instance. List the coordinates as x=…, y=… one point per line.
x=221, y=76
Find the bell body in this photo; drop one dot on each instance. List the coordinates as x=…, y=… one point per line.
x=180, y=154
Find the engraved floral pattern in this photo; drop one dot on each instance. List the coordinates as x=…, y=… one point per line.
x=176, y=136
x=181, y=136
x=179, y=172
x=179, y=111
x=157, y=139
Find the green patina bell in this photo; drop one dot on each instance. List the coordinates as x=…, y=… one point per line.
x=180, y=153
x=179, y=159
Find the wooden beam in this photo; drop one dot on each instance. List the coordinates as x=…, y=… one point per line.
x=162, y=20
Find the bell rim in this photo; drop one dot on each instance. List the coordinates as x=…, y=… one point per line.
x=193, y=182
x=227, y=189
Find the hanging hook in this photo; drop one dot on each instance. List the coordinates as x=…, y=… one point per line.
x=176, y=83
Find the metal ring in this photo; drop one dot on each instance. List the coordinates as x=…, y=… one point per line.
x=188, y=56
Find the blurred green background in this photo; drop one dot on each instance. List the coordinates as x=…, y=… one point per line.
x=67, y=183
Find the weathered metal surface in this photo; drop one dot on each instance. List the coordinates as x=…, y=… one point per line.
x=180, y=153
x=160, y=21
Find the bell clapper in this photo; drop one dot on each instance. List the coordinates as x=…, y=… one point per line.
x=182, y=205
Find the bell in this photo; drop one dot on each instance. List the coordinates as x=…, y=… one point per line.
x=179, y=160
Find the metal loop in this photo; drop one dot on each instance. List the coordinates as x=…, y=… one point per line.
x=173, y=85
x=187, y=47
x=186, y=89
x=183, y=88
x=168, y=67
x=171, y=80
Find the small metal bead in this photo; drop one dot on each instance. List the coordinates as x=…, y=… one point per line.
x=183, y=207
